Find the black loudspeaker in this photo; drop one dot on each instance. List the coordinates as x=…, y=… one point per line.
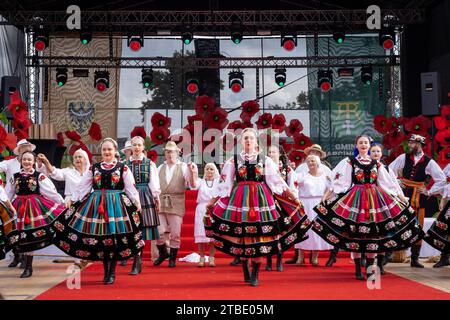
x=431, y=93
x=8, y=86
x=47, y=147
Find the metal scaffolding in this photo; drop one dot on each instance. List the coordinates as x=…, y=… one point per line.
x=212, y=22
x=210, y=63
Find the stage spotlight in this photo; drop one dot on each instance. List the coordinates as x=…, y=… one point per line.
x=325, y=80
x=147, y=78
x=387, y=38
x=85, y=36
x=192, y=85
x=236, y=37
x=187, y=37
x=135, y=42
x=366, y=74
x=280, y=76
x=339, y=36
x=289, y=41
x=101, y=80
x=236, y=80
x=61, y=76
x=41, y=40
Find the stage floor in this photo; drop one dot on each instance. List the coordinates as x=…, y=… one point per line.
x=188, y=282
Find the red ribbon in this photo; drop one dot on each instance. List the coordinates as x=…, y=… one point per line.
x=101, y=206
x=365, y=200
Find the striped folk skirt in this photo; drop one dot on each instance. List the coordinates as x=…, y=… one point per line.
x=367, y=219
x=34, y=225
x=150, y=218
x=105, y=225
x=253, y=223
x=438, y=236
x=7, y=225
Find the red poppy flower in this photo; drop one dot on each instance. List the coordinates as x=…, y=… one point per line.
x=265, y=140
x=235, y=125
x=228, y=141
x=249, y=109
x=294, y=127
x=279, y=122
x=247, y=124
x=60, y=138
x=7, y=139
x=301, y=142
x=21, y=121
x=159, y=135
x=16, y=104
x=445, y=112
x=217, y=119
x=152, y=155
x=204, y=104
x=296, y=156
x=418, y=125
x=264, y=121
x=444, y=157
x=379, y=123
x=393, y=139
x=138, y=131
x=160, y=120
x=392, y=124
x=443, y=137
x=95, y=132
x=21, y=134
x=441, y=123
x=287, y=146
x=73, y=135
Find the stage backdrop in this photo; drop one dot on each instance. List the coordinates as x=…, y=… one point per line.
x=78, y=103
x=348, y=109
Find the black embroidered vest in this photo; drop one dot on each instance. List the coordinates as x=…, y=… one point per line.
x=26, y=184
x=249, y=170
x=415, y=172
x=364, y=173
x=108, y=179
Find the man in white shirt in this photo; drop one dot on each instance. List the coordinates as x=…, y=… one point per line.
x=174, y=177
x=412, y=170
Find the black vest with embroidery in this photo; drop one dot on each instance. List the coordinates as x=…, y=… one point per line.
x=364, y=173
x=415, y=172
x=26, y=184
x=249, y=170
x=108, y=179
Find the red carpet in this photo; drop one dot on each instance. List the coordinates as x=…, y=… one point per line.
x=188, y=282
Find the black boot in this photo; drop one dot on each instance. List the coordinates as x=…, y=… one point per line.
x=112, y=272
x=28, y=272
x=294, y=259
x=358, y=273
x=236, y=261
x=173, y=257
x=443, y=261
x=269, y=263
x=105, y=270
x=255, y=272
x=15, y=261
x=163, y=255
x=363, y=260
x=380, y=263
x=23, y=260
x=387, y=258
x=332, y=259
x=415, y=251
x=279, y=261
x=370, y=265
x=137, y=265
x=246, y=271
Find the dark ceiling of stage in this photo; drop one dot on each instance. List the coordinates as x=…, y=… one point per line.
x=185, y=5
